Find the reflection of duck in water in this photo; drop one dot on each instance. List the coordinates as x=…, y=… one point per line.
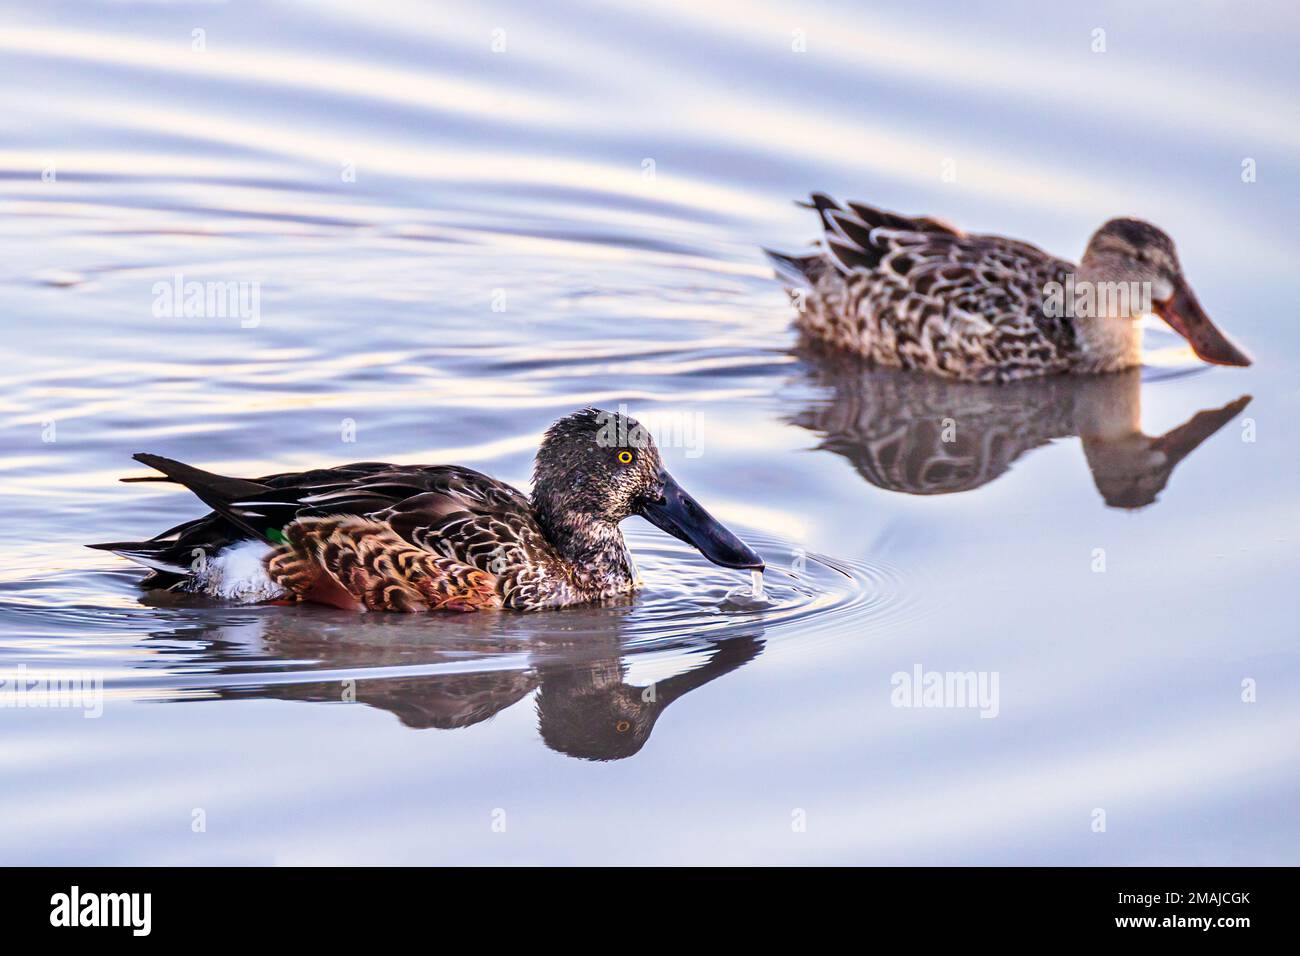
x=585, y=706
x=915, y=293
x=926, y=436
x=593, y=713
x=375, y=536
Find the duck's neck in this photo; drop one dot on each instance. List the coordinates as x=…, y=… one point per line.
x=1109, y=326
x=592, y=547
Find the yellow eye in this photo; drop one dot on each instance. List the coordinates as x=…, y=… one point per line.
x=625, y=457
x=623, y=726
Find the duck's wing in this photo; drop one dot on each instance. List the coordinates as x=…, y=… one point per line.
x=848, y=243
x=862, y=238
x=929, y=275
x=463, y=541
x=264, y=506
x=859, y=237
x=411, y=496
x=359, y=563
x=370, y=487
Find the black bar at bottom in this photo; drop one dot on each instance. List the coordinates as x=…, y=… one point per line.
x=335, y=905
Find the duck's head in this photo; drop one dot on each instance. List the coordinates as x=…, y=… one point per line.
x=1130, y=250
x=595, y=468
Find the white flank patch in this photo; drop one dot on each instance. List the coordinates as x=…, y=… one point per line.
x=239, y=574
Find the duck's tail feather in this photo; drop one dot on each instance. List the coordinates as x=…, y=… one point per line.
x=848, y=243
x=156, y=555
x=834, y=216
x=807, y=269
x=797, y=270
x=235, y=499
x=824, y=205
x=170, y=564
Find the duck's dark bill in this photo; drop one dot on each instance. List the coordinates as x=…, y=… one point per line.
x=682, y=517
x=1186, y=317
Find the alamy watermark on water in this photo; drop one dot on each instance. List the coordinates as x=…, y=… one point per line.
x=211, y=299
x=946, y=689
x=55, y=689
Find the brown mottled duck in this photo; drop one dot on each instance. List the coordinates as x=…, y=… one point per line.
x=915, y=293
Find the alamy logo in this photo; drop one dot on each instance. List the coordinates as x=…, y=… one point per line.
x=1084, y=299
x=946, y=689
x=20, y=687
x=103, y=909
x=675, y=429
x=208, y=300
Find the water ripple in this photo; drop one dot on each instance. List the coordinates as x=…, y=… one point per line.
x=159, y=640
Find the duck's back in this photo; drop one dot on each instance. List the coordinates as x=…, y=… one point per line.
x=915, y=293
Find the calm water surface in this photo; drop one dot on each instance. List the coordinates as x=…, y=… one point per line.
x=453, y=245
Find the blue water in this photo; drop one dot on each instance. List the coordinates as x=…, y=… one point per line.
x=463, y=221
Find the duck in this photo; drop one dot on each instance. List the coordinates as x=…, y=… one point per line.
x=916, y=293
x=374, y=536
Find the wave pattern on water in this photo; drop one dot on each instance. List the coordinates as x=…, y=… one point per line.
x=464, y=223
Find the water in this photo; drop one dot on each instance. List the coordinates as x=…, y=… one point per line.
x=450, y=247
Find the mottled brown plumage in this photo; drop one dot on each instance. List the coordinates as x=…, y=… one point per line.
x=916, y=293
x=357, y=563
